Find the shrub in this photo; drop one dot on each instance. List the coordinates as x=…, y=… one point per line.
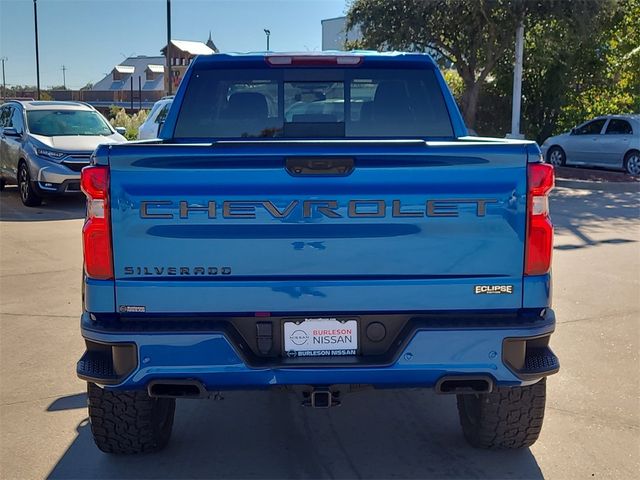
x=120, y=118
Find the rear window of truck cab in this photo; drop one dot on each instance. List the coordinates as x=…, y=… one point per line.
x=313, y=103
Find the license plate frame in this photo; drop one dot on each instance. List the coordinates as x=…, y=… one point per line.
x=317, y=337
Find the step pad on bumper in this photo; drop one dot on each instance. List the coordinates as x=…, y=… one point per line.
x=96, y=366
x=539, y=361
x=107, y=364
x=530, y=358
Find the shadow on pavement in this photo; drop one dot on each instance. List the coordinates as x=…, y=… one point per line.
x=375, y=434
x=70, y=402
x=612, y=241
x=594, y=207
x=53, y=208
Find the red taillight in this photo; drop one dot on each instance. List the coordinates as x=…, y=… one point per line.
x=314, y=60
x=539, y=244
x=96, y=233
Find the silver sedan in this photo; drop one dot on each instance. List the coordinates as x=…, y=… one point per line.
x=611, y=141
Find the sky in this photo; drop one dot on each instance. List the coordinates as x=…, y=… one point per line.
x=90, y=37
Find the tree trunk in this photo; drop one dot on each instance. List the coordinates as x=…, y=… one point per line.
x=470, y=102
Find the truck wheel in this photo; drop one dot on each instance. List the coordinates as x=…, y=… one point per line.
x=28, y=195
x=508, y=417
x=556, y=157
x=129, y=422
x=2, y=184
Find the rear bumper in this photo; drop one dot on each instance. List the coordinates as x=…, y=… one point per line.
x=511, y=353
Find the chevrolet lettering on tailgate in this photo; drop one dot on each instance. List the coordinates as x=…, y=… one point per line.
x=236, y=209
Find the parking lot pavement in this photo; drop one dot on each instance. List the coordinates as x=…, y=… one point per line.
x=592, y=425
x=594, y=175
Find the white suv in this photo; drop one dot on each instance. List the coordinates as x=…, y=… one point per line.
x=151, y=126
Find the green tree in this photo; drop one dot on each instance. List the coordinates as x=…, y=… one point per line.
x=549, y=57
x=569, y=78
x=472, y=35
x=454, y=81
x=614, y=85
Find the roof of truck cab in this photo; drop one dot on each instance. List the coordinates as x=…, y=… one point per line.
x=369, y=57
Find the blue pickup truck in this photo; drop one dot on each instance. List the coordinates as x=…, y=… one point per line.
x=316, y=223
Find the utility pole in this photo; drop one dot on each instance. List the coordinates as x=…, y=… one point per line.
x=4, y=83
x=517, y=83
x=267, y=32
x=64, y=76
x=35, y=22
x=170, y=79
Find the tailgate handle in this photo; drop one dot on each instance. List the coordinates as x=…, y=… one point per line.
x=335, y=167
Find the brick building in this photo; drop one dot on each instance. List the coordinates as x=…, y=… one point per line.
x=182, y=53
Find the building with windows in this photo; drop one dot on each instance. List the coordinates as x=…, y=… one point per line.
x=139, y=78
x=182, y=53
x=140, y=81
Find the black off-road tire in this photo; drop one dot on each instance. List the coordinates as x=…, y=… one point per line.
x=28, y=195
x=508, y=417
x=2, y=184
x=129, y=422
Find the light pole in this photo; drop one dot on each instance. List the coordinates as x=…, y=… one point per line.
x=517, y=83
x=169, y=47
x=267, y=33
x=35, y=21
x=4, y=83
x=64, y=76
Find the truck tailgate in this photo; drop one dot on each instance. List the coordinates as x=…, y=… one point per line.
x=229, y=228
